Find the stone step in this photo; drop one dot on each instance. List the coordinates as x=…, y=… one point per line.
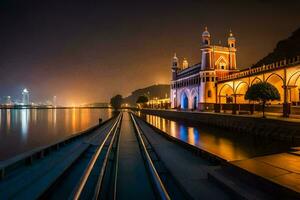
x=238, y=188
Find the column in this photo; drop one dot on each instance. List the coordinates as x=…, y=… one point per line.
x=286, y=106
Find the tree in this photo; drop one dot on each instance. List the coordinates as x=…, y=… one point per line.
x=116, y=101
x=142, y=99
x=262, y=92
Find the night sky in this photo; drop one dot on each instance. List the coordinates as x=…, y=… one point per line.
x=87, y=51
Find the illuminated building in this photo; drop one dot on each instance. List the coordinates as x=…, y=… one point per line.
x=216, y=83
x=25, y=97
x=193, y=87
x=283, y=74
x=158, y=103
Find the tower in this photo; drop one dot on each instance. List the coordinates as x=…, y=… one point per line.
x=185, y=64
x=174, y=67
x=232, y=51
x=25, y=97
x=205, y=37
x=206, y=50
x=54, y=101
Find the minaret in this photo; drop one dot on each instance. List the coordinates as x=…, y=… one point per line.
x=205, y=37
x=174, y=67
x=185, y=64
x=232, y=51
x=206, y=50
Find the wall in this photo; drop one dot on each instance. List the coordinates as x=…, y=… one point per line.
x=271, y=128
x=280, y=74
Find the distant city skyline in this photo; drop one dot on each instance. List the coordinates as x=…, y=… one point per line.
x=87, y=51
x=24, y=99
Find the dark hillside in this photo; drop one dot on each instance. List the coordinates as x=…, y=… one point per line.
x=287, y=48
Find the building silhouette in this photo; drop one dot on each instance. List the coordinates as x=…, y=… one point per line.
x=25, y=97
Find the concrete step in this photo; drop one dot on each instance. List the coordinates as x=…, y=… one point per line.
x=235, y=186
x=296, y=153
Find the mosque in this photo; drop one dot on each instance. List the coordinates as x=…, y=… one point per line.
x=217, y=81
x=193, y=87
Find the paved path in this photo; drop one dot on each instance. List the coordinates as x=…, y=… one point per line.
x=283, y=168
x=188, y=169
x=276, y=116
x=132, y=181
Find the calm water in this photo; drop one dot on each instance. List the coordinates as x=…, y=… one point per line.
x=226, y=144
x=24, y=129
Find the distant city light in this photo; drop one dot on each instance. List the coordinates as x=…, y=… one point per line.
x=25, y=97
x=25, y=90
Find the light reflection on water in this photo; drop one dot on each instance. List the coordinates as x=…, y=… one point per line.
x=24, y=129
x=24, y=123
x=225, y=144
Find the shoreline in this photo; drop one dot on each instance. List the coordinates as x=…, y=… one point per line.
x=276, y=129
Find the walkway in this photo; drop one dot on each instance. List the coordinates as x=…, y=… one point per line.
x=132, y=181
x=188, y=169
x=282, y=169
x=276, y=116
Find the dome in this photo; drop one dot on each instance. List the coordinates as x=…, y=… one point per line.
x=205, y=33
x=231, y=37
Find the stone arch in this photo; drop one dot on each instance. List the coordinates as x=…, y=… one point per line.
x=240, y=91
x=277, y=81
x=294, y=88
x=255, y=80
x=194, y=99
x=294, y=77
x=238, y=86
x=226, y=92
x=184, y=98
x=274, y=74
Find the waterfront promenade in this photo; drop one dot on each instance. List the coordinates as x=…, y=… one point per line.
x=275, y=172
x=131, y=168
x=188, y=169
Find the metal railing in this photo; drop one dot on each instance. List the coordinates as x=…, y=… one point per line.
x=156, y=179
x=79, y=189
x=104, y=166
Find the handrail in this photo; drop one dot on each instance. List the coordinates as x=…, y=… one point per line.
x=104, y=166
x=78, y=191
x=116, y=169
x=158, y=183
